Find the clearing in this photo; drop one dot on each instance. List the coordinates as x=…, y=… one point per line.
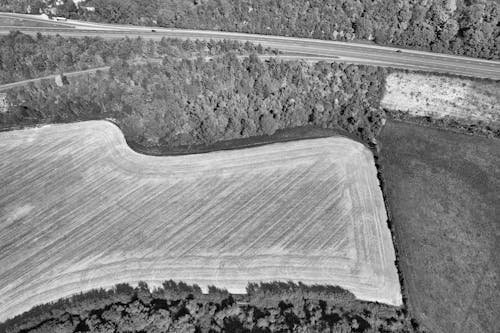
x=443, y=190
x=441, y=96
x=80, y=210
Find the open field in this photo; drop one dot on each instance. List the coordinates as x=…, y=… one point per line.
x=441, y=96
x=443, y=190
x=80, y=210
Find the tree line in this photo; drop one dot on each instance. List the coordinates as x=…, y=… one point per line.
x=187, y=101
x=178, y=307
x=183, y=98
x=467, y=126
x=25, y=57
x=468, y=28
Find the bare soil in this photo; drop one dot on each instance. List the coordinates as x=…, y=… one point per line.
x=81, y=210
x=440, y=96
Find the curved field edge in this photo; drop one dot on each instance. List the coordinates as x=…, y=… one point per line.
x=148, y=171
x=284, y=135
x=281, y=135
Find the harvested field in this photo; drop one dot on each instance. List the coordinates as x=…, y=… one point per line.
x=80, y=210
x=443, y=190
x=441, y=96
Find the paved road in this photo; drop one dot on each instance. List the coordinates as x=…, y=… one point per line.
x=70, y=74
x=308, y=49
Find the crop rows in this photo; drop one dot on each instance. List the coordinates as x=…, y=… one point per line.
x=80, y=210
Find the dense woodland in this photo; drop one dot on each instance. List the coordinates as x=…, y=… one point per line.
x=184, y=100
x=25, y=57
x=465, y=27
x=177, y=307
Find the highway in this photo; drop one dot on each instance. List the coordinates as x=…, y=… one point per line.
x=296, y=48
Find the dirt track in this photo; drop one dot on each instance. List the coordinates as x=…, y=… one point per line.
x=11, y=85
x=79, y=210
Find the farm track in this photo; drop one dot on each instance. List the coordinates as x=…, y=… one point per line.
x=11, y=85
x=79, y=210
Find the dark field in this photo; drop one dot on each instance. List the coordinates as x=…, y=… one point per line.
x=443, y=191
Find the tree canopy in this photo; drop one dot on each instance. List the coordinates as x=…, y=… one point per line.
x=178, y=307
x=460, y=27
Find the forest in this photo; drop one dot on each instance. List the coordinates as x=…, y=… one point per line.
x=194, y=100
x=462, y=27
x=25, y=57
x=178, y=307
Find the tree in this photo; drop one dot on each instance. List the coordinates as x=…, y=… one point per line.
x=67, y=9
x=38, y=7
x=268, y=124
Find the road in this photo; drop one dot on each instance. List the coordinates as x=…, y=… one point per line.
x=303, y=48
x=70, y=74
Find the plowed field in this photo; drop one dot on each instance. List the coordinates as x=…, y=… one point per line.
x=79, y=210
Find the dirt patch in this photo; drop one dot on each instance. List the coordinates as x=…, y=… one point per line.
x=443, y=96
